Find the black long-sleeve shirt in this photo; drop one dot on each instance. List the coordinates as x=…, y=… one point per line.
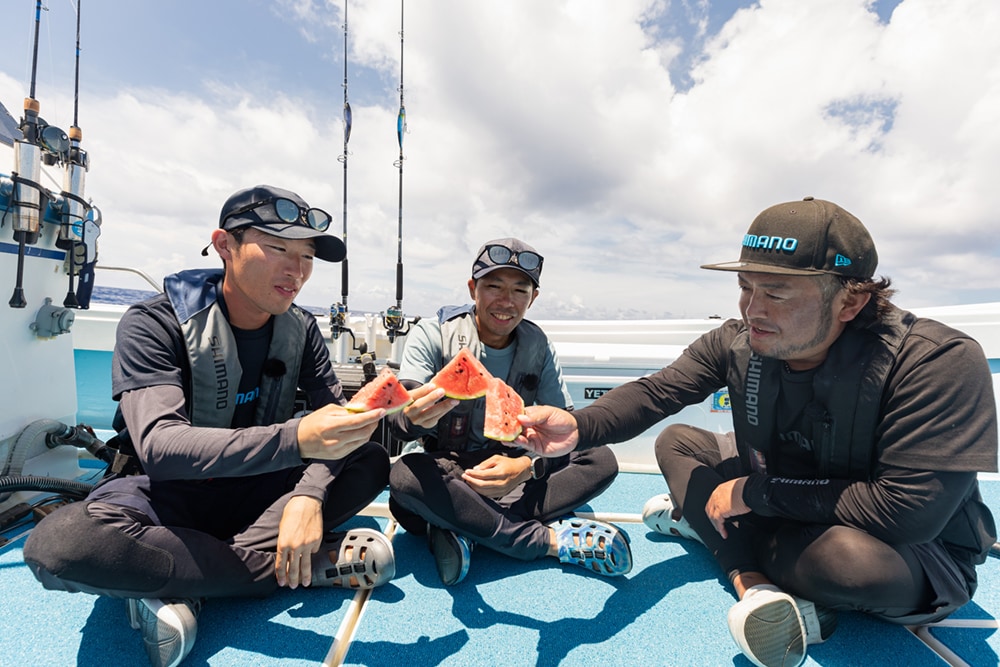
x=937, y=428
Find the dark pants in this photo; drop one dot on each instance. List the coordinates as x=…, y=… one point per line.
x=835, y=566
x=135, y=538
x=427, y=487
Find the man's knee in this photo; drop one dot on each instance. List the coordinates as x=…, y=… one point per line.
x=405, y=473
x=50, y=546
x=673, y=441
x=72, y=550
x=373, y=458
x=601, y=458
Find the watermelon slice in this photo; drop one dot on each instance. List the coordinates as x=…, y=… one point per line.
x=463, y=377
x=503, y=405
x=383, y=391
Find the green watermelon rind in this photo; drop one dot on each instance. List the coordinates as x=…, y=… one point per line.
x=366, y=398
x=491, y=432
x=461, y=364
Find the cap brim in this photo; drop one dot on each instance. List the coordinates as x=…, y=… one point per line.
x=328, y=248
x=756, y=267
x=490, y=269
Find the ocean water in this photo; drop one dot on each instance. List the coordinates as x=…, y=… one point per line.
x=126, y=297
x=120, y=296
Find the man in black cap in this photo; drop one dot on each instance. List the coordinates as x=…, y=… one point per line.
x=850, y=482
x=464, y=488
x=233, y=495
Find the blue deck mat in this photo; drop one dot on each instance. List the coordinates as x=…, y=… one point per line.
x=669, y=610
x=40, y=628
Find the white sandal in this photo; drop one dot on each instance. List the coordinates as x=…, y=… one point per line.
x=365, y=559
x=657, y=514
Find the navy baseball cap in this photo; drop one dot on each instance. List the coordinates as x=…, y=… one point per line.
x=284, y=214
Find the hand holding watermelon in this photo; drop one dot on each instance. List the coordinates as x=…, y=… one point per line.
x=428, y=406
x=332, y=432
x=548, y=431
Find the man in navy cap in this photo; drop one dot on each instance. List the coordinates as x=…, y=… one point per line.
x=850, y=480
x=232, y=494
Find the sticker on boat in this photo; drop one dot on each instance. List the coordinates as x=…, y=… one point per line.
x=383, y=391
x=503, y=405
x=464, y=377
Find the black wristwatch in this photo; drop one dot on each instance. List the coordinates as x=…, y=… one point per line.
x=538, y=467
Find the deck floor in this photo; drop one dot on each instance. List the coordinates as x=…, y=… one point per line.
x=670, y=610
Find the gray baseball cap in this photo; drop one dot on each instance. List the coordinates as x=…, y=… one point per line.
x=508, y=253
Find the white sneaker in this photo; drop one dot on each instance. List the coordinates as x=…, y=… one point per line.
x=169, y=628
x=768, y=628
x=657, y=514
x=819, y=621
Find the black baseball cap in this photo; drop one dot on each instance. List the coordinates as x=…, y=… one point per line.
x=806, y=238
x=258, y=207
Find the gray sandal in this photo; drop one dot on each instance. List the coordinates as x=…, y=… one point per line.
x=364, y=560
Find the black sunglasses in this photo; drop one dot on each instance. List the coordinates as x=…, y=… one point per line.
x=526, y=259
x=289, y=211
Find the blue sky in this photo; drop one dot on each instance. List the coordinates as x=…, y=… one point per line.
x=628, y=141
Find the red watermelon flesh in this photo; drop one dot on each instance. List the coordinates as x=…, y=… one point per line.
x=383, y=391
x=503, y=405
x=463, y=377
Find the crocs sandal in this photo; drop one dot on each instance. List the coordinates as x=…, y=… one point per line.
x=364, y=560
x=595, y=545
x=657, y=514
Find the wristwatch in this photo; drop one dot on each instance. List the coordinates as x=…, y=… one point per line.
x=538, y=467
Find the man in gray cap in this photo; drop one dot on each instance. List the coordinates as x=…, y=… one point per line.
x=464, y=488
x=220, y=491
x=850, y=482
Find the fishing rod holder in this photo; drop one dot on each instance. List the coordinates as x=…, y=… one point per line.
x=339, y=327
x=395, y=323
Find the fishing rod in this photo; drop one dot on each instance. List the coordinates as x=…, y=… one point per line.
x=348, y=122
x=338, y=312
x=41, y=142
x=74, y=206
x=393, y=319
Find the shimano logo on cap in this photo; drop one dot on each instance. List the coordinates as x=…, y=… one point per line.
x=783, y=244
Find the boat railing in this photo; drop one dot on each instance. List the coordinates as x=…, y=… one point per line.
x=139, y=272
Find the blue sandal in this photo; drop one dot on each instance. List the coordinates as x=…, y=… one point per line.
x=596, y=545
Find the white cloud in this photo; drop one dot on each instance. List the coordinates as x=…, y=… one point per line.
x=558, y=122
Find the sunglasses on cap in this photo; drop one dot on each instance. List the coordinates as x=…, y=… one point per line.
x=526, y=259
x=288, y=211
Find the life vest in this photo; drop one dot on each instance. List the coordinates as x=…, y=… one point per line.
x=458, y=330
x=845, y=408
x=845, y=412
x=214, y=362
x=215, y=365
